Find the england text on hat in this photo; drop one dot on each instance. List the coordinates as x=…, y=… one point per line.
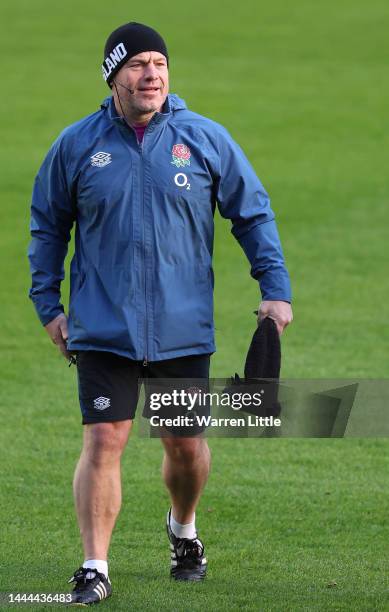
x=119, y=52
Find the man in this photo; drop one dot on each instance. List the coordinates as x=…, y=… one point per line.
x=141, y=178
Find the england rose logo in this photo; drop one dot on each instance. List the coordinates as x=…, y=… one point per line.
x=181, y=155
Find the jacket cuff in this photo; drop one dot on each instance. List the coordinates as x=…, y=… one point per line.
x=47, y=312
x=275, y=285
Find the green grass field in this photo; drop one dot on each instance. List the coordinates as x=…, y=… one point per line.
x=289, y=525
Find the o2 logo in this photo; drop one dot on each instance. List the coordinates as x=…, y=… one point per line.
x=181, y=180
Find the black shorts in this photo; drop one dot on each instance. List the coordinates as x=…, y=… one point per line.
x=108, y=384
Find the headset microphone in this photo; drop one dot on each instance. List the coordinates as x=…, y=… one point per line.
x=132, y=91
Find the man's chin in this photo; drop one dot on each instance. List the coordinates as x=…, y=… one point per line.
x=149, y=108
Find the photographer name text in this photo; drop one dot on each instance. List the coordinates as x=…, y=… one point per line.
x=208, y=421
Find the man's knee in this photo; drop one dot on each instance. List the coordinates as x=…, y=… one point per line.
x=105, y=441
x=185, y=450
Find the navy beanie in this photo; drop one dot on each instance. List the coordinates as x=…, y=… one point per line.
x=125, y=42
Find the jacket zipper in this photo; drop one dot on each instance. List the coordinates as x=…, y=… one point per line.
x=145, y=358
x=140, y=149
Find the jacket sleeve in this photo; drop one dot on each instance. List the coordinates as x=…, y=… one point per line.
x=52, y=217
x=242, y=198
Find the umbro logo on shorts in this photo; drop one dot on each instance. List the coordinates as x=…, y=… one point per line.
x=101, y=159
x=101, y=403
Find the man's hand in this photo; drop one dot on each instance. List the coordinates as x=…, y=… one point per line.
x=280, y=312
x=58, y=332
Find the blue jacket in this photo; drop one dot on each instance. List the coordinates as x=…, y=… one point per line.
x=141, y=277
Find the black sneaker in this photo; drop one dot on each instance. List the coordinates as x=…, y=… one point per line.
x=89, y=591
x=187, y=556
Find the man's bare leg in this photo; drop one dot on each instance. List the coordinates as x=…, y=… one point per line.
x=97, y=485
x=185, y=470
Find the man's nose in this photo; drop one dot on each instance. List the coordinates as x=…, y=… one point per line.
x=151, y=71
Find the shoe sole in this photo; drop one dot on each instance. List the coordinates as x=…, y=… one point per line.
x=84, y=605
x=186, y=578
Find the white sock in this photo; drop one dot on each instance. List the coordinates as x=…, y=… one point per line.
x=99, y=564
x=183, y=531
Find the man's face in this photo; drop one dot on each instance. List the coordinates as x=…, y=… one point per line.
x=148, y=76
